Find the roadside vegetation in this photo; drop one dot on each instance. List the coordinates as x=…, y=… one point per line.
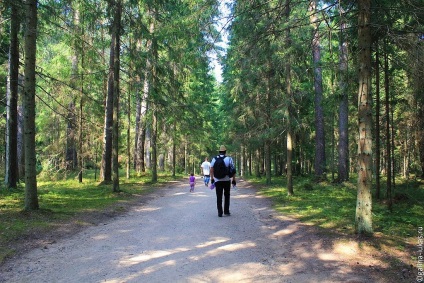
x=63, y=202
x=331, y=207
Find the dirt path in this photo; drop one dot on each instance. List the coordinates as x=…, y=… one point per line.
x=178, y=237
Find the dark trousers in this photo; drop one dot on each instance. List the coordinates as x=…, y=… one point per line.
x=220, y=188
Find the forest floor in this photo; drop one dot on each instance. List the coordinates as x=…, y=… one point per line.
x=172, y=235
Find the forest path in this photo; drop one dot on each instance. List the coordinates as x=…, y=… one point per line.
x=176, y=236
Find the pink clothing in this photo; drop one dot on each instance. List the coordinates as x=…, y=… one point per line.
x=192, y=183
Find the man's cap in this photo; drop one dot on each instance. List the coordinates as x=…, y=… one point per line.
x=222, y=148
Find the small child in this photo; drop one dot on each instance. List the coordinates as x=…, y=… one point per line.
x=192, y=180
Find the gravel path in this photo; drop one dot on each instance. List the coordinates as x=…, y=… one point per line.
x=177, y=236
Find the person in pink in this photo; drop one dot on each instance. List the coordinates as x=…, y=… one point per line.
x=192, y=181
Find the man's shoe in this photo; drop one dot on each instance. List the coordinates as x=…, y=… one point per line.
x=219, y=214
x=227, y=214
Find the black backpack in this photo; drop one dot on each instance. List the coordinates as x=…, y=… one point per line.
x=220, y=170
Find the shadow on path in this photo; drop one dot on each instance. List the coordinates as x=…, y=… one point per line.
x=176, y=236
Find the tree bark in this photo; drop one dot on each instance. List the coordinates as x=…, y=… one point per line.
x=363, y=218
x=11, y=175
x=268, y=121
x=128, y=169
x=31, y=194
x=116, y=67
x=320, y=160
x=20, y=141
x=143, y=155
x=106, y=170
x=71, y=152
x=289, y=141
x=174, y=151
x=257, y=163
x=388, y=139
x=377, y=122
x=80, y=51
x=155, y=88
x=137, y=132
x=343, y=146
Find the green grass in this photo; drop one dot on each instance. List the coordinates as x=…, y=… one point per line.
x=332, y=206
x=63, y=201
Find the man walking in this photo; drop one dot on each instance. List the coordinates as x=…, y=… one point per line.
x=206, y=166
x=222, y=174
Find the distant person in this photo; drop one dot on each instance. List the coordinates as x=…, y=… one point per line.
x=206, y=166
x=192, y=181
x=222, y=174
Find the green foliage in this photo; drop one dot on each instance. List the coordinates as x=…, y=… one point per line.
x=332, y=206
x=64, y=201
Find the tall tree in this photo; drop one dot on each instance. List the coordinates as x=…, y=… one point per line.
x=116, y=30
x=387, y=128
x=320, y=160
x=106, y=172
x=11, y=175
x=377, y=121
x=290, y=136
x=155, y=93
x=343, y=146
x=31, y=194
x=71, y=151
x=363, y=219
x=143, y=102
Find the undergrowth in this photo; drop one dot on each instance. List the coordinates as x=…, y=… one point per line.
x=332, y=206
x=61, y=200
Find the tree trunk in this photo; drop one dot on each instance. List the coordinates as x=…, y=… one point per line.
x=267, y=151
x=393, y=151
x=20, y=141
x=31, y=194
x=250, y=163
x=70, y=138
x=289, y=141
x=377, y=122
x=343, y=146
x=257, y=163
x=388, y=139
x=154, y=161
x=155, y=88
x=174, y=152
x=320, y=161
x=137, y=130
x=267, y=143
x=80, y=155
x=106, y=172
x=71, y=153
x=128, y=169
x=275, y=161
x=80, y=137
x=363, y=218
x=144, y=108
x=11, y=175
x=289, y=158
x=116, y=67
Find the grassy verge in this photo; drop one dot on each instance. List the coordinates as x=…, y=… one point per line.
x=332, y=207
x=63, y=202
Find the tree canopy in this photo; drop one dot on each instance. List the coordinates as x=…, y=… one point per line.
x=129, y=84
